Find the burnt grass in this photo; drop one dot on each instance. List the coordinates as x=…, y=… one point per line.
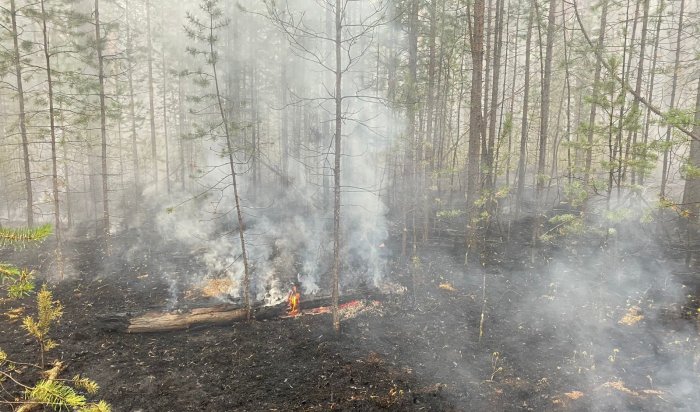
x=421, y=350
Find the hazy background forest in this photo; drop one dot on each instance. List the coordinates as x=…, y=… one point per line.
x=565, y=112
x=390, y=144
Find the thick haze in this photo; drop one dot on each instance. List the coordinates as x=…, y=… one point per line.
x=406, y=119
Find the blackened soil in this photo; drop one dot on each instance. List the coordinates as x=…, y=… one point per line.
x=425, y=349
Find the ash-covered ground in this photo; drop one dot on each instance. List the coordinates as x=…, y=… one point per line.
x=586, y=329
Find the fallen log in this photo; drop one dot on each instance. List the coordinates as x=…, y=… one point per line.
x=166, y=321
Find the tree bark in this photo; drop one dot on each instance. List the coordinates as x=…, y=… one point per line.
x=676, y=66
x=522, y=161
x=22, y=116
x=691, y=191
x=103, y=123
x=232, y=165
x=544, y=104
x=151, y=95
x=336, y=168
x=475, y=124
x=54, y=162
x=594, y=94
x=493, y=112
x=132, y=103
x=165, y=121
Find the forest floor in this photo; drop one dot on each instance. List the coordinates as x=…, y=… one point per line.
x=543, y=343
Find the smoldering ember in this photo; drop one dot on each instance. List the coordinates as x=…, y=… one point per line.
x=416, y=205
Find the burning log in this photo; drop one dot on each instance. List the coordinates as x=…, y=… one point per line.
x=165, y=321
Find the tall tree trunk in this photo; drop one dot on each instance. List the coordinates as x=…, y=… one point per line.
x=475, y=123
x=181, y=129
x=544, y=104
x=132, y=103
x=165, y=120
x=232, y=165
x=493, y=112
x=336, y=168
x=650, y=96
x=522, y=161
x=151, y=94
x=66, y=175
x=544, y=125
x=691, y=192
x=410, y=150
x=596, y=88
x=52, y=126
x=284, y=124
x=103, y=124
x=428, y=165
x=512, y=97
x=676, y=67
x=22, y=116
x=616, y=158
x=567, y=79
x=631, y=144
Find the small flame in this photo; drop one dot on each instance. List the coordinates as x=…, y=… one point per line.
x=293, y=301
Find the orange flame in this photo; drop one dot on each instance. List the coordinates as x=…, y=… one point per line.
x=293, y=301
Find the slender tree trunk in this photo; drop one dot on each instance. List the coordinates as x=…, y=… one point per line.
x=103, y=125
x=22, y=116
x=66, y=175
x=544, y=125
x=151, y=94
x=493, y=112
x=522, y=161
x=410, y=152
x=52, y=126
x=544, y=104
x=596, y=87
x=165, y=121
x=650, y=96
x=132, y=103
x=631, y=145
x=234, y=180
x=567, y=79
x=691, y=191
x=181, y=130
x=617, y=157
x=336, y=167
x=512, y=98
x=475, y=123
x=676, y=67
x=284, y=132
x=427, y=166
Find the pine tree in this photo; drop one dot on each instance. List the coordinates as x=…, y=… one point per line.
x=205, y=31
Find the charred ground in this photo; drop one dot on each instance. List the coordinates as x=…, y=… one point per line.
x=421, y=350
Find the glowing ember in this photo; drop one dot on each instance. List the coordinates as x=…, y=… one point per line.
x=347, y=310
x=211, y=288
x=293, y=301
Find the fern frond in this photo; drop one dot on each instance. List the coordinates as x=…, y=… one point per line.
x=55, y=394
x=88, y=385
x=24, y=236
